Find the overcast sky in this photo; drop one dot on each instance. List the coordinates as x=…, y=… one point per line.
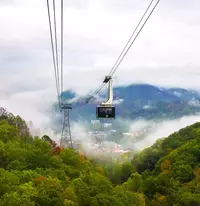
x=166, y=52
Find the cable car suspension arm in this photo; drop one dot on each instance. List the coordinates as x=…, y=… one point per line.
x=108, y=79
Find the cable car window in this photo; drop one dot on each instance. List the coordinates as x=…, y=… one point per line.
x=105, y=112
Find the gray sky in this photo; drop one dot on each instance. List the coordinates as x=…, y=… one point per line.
x=166, y=53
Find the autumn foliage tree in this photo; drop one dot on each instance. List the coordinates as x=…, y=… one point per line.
x=36, y=171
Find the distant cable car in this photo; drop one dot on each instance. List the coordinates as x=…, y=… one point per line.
x=106, y=110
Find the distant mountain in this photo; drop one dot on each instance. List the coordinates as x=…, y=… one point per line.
x=184, y=94
x=144, y=93
x=143, y=101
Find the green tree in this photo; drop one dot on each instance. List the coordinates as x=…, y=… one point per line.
x=50, y=192
x=82, y=191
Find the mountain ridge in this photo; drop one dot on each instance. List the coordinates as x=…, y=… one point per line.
x=141, y=101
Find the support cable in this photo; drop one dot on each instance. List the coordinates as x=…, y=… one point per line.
x=121, y=57
x=131, y=37
x=62, y=40
x=53, y=52
x=117, y=66
x=56, y=45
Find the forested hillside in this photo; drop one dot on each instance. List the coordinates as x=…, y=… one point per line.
x=35, y=171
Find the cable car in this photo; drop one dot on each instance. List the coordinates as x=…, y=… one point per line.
x=106, y=110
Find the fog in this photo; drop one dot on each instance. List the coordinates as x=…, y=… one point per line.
x=164, y=129
x=32, y=108
x=158, y=130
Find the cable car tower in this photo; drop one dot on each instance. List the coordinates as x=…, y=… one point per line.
x=106, y=110
x=66, y=139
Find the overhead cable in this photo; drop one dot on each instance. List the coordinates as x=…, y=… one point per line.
x=53, y=52
x=131, y=37
x=62, y=40
x=56, y=43
x=122, y=54
x=134, y=38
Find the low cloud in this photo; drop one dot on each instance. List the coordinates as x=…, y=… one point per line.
x=80, y=133
x=164, y=129
x=32, y=106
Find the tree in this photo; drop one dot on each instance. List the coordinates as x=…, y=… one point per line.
x=126, y=171
x=14, y=199
x=70, y=197
x=8, y=182
x=82, y=191
x=134, y=183
x=97, y=184
x=50, y=191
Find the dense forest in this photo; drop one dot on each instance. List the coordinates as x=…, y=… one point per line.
x=35, y=171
